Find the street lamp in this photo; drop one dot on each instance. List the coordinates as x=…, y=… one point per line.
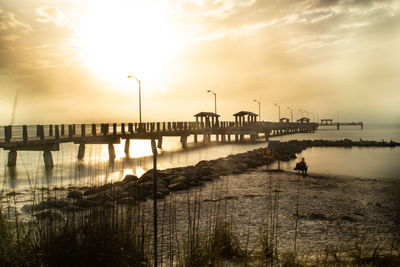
x=301, y=113
x=279, y=108
x=259, y=109
x=140, y=99
x=291, y=113
x=215, y=99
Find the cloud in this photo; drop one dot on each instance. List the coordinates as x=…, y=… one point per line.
x=52, y=15
x=8, y=22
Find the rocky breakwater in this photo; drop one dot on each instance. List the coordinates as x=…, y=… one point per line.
x=133, y=189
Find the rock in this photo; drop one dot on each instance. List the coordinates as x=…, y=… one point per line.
x=86, y=203
x=102, y=197
x=178, y=180
x=129, y=178
x=178, y=186
x=209, y=177
x=129, y=185
x=348, y=218
x=316, y=216
x=29, y=209
x=126, y=201
x=75, y=195
x=52, y=204
x=49, y=215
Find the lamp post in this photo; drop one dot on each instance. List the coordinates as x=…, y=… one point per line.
x=291, y=113
x=140, y=98
x=313, y=117
x=215, y=99
x=259, y=109
x=306, y=113
x=279, y=110
x=301, y=113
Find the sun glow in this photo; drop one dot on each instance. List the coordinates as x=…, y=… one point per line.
x=127, y=38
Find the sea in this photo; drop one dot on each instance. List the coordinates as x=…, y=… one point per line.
x=95, y=168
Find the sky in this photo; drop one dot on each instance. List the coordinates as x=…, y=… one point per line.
x=67, y=61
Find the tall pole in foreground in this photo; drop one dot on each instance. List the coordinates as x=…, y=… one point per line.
x=154, y=149
x=291, y=113
x=215, y=100
x=279, y=108
x=259, y=109
x=140, y=99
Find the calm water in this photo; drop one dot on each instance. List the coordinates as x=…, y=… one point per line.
x=379, y=163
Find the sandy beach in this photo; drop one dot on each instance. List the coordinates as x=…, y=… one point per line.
x=333, y=212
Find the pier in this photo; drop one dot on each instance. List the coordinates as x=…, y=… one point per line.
x=330, y=122
x=47, y=138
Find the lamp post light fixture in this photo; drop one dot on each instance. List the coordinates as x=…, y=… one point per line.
x=215, y=99
x=140, y=98
x=279, y=110
x=291, y=113
x=259, y=109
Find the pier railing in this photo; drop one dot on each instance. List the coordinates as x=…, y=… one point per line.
x=26, y=133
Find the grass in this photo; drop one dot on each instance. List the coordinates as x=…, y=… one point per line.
x=120, y=235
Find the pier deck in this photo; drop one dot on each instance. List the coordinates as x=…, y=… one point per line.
x=47, y=138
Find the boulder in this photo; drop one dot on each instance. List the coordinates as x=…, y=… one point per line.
x=178, y=186
x=75, y=195
x=52, y=204
x=49, y=215
x=126, y=201
x=86, y=203
x=178, y=180
x=130, y=178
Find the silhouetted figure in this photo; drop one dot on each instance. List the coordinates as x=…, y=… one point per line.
x=302, y=167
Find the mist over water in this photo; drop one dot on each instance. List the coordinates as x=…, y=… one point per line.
x=377, y=163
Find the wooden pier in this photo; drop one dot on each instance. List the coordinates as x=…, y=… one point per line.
x=47, y=138
x=330, y=122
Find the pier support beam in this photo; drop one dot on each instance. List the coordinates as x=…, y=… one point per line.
x=111, y=151
x=159, y=143
x=195, y=138
x=223, y=138
x=229, y=138
x=81, y=151
x=241, y=137
x=127, y=145
x=184, y=141
x=12, y=158
x=48, y=159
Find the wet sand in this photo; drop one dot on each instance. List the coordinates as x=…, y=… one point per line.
x=332, y=211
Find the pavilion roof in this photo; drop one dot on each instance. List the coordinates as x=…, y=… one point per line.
x=206, y=114
x=244, y=113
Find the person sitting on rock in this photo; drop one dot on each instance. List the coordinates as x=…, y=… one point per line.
x=302, y=166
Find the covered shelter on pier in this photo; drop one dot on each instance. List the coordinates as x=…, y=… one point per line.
x=303, y=120
x=208, y=119
x=240, y=118
x=284, y=120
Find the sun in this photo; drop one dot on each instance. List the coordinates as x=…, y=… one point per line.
x=121, y=38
